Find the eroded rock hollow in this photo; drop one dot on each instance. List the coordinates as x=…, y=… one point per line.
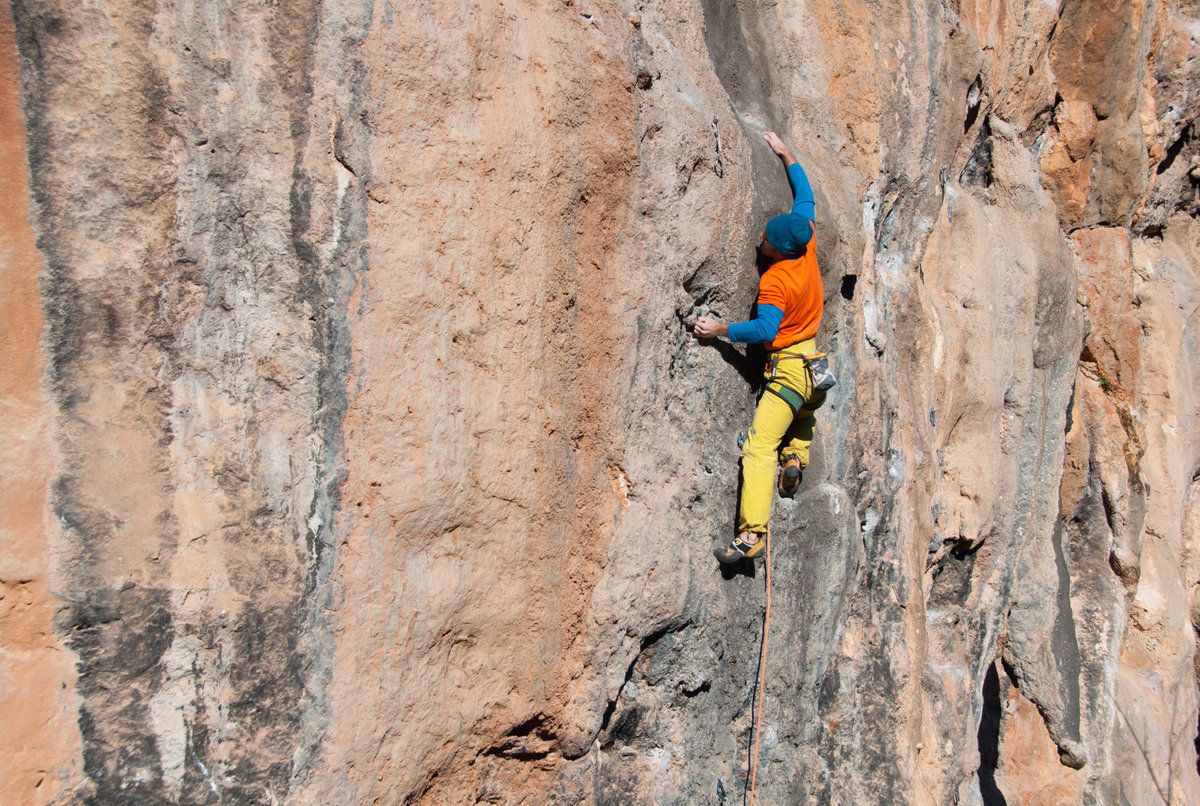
x=357, y=449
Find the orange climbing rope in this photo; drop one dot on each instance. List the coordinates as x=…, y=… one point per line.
x=762, y=670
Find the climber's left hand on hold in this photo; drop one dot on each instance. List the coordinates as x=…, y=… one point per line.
x=709, y=328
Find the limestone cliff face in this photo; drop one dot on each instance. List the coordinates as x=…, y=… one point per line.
x=357, y=449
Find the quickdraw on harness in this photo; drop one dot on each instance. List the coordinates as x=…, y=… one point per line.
x=819, y=373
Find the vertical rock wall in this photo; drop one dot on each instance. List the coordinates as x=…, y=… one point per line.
x=187, y=273
x=40, y=754
x=384, y=468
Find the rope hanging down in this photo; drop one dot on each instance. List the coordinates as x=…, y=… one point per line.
x=762, y=669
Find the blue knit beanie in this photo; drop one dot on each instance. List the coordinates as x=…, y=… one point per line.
x=789, y=234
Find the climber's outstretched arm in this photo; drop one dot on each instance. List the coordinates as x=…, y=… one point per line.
x=805, y=201
x=763, y=327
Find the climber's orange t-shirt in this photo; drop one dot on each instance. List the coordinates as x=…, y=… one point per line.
x=794, y=287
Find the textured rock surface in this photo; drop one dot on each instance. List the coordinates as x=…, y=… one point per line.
x=40, y=755
x=383, y=468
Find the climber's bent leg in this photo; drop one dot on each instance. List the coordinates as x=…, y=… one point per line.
x=760, y=457
x=799, y=438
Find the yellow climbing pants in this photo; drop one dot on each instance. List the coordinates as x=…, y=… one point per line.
x=776, y=434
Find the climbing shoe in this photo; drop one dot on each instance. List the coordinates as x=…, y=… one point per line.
x=739, y=549
x=789, y=479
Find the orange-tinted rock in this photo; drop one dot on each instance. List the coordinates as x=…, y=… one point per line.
x=1031, y=772
x=1076, y=124
x=1015, y=38
x=1106, y=282
x=381, y=464
x=1067, y=180
x=1098, y=54
x=482, y=484
x=40, y=753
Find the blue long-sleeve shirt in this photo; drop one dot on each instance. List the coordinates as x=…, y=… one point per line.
x=765, y=324
x=762, y=327
x=805, y=202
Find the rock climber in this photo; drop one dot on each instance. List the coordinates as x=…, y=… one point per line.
x=787, y=315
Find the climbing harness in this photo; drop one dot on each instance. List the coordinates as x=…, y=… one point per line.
x=762, y=669
x=788, y=395
x=817, y=364
x=819, y=373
